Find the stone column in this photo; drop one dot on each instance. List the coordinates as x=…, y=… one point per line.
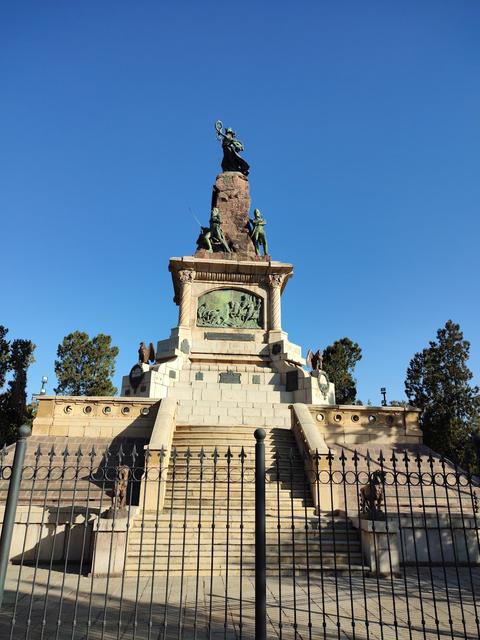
x=276, y=280
x=186, y=277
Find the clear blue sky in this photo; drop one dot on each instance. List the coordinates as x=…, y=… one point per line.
x=361, y=122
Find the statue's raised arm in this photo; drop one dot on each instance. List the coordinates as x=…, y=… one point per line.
x=232, y=161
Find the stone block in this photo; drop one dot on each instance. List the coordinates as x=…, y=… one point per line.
x=183, y=393
x=237, y=395
x=235, y=411
x=210, y=394
x=41, y=429
x=267, y=411
x=252, y=411
x=257, y=396
x=228, y=403
x=76, y=431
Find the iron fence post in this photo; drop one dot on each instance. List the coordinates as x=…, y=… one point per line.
x=11, y=506
x=260, y=551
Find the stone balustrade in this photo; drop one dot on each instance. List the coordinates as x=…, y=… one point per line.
x=97, y=416
x=353, y=424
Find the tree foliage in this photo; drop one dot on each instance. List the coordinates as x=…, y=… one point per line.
x=339, y=360
x=4, y=355
x=438, y=383
x=84, y=366
x=15, y=358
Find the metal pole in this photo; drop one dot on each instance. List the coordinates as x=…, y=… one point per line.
x=10, y=508
x=260, y=552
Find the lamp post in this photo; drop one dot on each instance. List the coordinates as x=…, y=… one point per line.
x=42, y=391
x=383, y=391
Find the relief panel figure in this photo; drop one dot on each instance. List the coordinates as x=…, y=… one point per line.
x=230, y=308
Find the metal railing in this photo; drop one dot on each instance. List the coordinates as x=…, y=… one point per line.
x=247, y=541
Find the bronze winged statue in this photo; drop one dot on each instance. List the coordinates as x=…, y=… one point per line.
x=146, y=354
x=315, y=360
x=232, y=161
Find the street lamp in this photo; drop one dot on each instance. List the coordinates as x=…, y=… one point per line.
x=43, y=391
x=383, y=391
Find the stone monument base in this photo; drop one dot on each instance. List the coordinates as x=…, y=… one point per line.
x=229, y=340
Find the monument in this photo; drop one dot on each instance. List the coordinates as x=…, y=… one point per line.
x=229, y=297
x=227, y=368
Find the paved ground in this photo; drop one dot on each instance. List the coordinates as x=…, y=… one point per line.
x=82, y=608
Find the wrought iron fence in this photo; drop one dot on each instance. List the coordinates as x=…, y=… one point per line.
x=125, y=542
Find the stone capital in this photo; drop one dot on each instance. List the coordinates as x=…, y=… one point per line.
x=276, y=280
x=186, y=275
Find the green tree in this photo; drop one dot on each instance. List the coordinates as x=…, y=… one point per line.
x=339, y=360
x=84, y=366
x=4, y=355
x=438, y=383
x=14, y=410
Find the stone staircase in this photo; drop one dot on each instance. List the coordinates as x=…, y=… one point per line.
x=208, y=526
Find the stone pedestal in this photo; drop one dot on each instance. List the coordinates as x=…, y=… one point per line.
x=380, y=546
x=111, y=539
x=231, y=195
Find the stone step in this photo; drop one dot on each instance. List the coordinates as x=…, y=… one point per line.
x=235, y=569
x=272, y=525
x=146, y=547
x=235, y=559
x=236, y=526
x=284, y=495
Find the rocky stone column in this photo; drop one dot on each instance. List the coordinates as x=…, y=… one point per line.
x=276, y=280
x=186, y=277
